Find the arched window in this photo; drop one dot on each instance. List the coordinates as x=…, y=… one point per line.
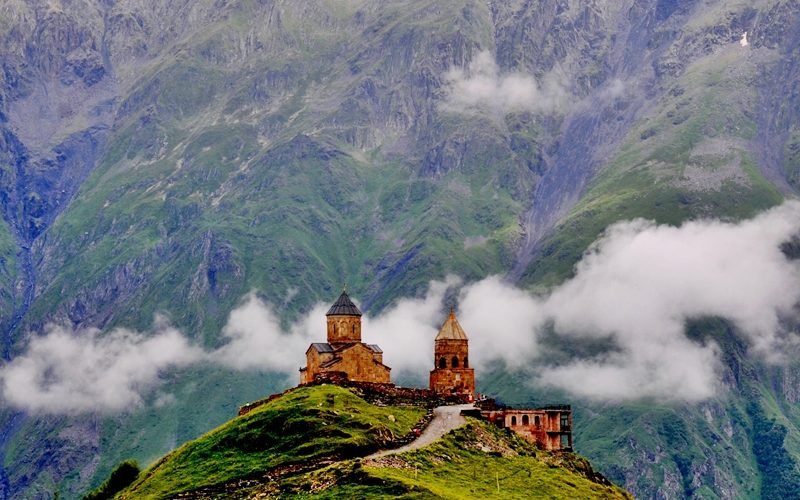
x=455, y=361
x=525, y=420
x=536, y=421
x=334, y=328
x=513, y=420
x=354, y=328
x=466, y=362
x=442, y=362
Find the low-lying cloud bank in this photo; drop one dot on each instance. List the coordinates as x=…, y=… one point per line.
x=636, y=287
x=65, y=372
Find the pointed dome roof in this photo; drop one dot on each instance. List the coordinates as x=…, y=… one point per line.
x=343, y=307
x=451, y=330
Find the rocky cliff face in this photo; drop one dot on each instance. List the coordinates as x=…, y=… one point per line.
x=223, y=146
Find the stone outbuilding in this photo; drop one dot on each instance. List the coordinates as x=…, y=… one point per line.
x=451, y=373
x=344, y=354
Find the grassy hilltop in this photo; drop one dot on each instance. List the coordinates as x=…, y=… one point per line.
x=310, y=442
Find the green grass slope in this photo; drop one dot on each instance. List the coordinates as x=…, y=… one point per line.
x=301, y=427
x=474, y=461
x=306, y=444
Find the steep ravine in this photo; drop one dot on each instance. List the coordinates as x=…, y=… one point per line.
x=38, y=191
x=653, y=50
x=779, y=95
x=56, y=94
x=592, y=129
x=45, y=90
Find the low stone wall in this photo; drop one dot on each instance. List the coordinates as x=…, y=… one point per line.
x=390, y=394
x=374, y=393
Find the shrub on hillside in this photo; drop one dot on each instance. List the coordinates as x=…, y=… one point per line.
x=123, y=475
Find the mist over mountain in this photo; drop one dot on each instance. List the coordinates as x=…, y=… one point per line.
x=174, y=172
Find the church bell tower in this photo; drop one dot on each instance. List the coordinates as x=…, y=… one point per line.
x=451, y=373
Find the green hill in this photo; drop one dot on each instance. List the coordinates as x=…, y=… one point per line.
x=311, y=441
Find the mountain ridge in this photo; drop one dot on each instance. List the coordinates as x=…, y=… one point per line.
x=169, y=157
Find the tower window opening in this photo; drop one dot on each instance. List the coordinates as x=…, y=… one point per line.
x=442, y=363
x=466, y=362
x=513, y=420
x=536, y=421
x=525, y=420
x=455, y=362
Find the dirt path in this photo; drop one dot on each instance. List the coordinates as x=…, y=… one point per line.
x=445, y=419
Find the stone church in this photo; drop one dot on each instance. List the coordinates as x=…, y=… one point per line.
x=344, y=355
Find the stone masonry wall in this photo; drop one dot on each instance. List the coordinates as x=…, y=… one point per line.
x=458, y=381
x=360, y=365
x=447, y=350
x=344, y=329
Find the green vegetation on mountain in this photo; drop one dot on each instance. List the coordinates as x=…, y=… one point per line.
x=781, y=477
x=299, y=428
x=688, y=159
x=164, y=156
x=306, y=444
x=480, y=461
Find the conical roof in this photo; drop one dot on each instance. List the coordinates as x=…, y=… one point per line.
x=343, y=307
x=451, y=330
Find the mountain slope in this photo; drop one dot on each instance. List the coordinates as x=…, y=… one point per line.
x=300, y=429
x=170, y=156
x=300, y=445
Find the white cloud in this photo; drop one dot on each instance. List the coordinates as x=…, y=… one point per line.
x=501, y=322
x=257, y=341
x=65, y=372
x=637, y=285
x=482, y=86
x=613, y=89
x=405, y=331
x=164, y=399
x=641, y=274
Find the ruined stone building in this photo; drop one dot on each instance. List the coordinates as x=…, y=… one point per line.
x=549, y=427
x=451, y=373
x=344, y=355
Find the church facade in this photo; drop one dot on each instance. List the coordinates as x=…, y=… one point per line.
x=344, y=354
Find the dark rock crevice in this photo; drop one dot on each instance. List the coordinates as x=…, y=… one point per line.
x=595, y=126
x=38, y=181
